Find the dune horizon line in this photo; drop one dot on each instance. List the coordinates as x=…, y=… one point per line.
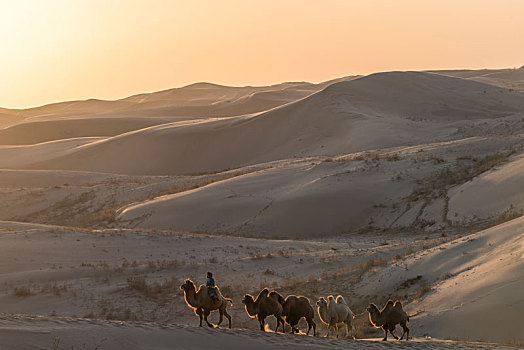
x=223, y=85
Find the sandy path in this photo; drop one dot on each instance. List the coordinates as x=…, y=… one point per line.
x=34, y=332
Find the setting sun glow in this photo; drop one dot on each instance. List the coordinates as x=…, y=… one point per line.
x=60, y=50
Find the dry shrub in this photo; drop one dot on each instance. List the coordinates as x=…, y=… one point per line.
x=424, y=288
x=154, y=290
x=397, y=257
x=366, y=266
x=22, y=291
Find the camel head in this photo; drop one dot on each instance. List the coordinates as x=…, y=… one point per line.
x=374, y=314
x=322, y=302
x=250, y=306
x=188, y=286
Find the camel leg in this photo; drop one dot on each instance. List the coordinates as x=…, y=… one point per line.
x=200, y=315
x=332, y=325
x=391, y=330
x=406, y=331
x=228, y=317
x=261, y=321
x=393, y=334
x=293, y=329
x=385, y=333
x=279, y=320
x=206, y=314
x=310, y=324
x=220, y=317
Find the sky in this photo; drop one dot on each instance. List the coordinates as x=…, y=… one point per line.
x=58, y=50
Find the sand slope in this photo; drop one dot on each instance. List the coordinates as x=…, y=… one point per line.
x=499, y=191
x=477, y=285
x=345, y=194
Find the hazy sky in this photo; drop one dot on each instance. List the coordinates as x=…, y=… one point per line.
x=55, y=50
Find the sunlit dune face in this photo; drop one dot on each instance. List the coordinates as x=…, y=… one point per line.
x=59, y=50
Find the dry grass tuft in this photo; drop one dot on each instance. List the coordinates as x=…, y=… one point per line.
x=22, y=291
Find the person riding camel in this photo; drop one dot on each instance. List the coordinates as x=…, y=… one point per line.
x=211, y=286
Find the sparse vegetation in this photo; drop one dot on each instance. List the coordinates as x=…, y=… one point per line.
x=153, y=290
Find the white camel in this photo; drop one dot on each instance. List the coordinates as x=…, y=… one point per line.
x=333, y=312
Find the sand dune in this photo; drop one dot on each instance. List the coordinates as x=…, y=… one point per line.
x=346, y=194
x=303, y=199
x=196, y=100
x=29, y=133
x=16, y=157
x=109, y=118
x=366, y=113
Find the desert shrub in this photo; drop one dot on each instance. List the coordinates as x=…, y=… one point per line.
x=366, y=266
x=138, y=283
x=269, y=271
x=424, y=288
x=153, y=290
x=22, y=291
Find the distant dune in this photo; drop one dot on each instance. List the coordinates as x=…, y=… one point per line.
x=506, y=78
x=366, y=113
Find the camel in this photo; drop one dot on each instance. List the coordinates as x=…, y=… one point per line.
x=296, y=307
x=203, y=304
x=332, y=313
x=266, y=304
x=388, y=318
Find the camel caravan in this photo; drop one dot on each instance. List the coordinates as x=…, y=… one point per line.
x=331, y=311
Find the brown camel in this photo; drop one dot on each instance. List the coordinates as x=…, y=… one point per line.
x=266, y=304
x=294, y=308
x=203, y=304
x=388, y=318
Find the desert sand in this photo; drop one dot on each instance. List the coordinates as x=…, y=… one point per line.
x=401, y=185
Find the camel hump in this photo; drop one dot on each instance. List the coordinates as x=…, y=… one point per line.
x=398, y=305
x=278, y=296
x=340, y=300
x=263, y=293
x=389, y=305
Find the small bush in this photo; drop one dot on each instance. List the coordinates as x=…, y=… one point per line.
x=424, y=288
x=22, y=291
